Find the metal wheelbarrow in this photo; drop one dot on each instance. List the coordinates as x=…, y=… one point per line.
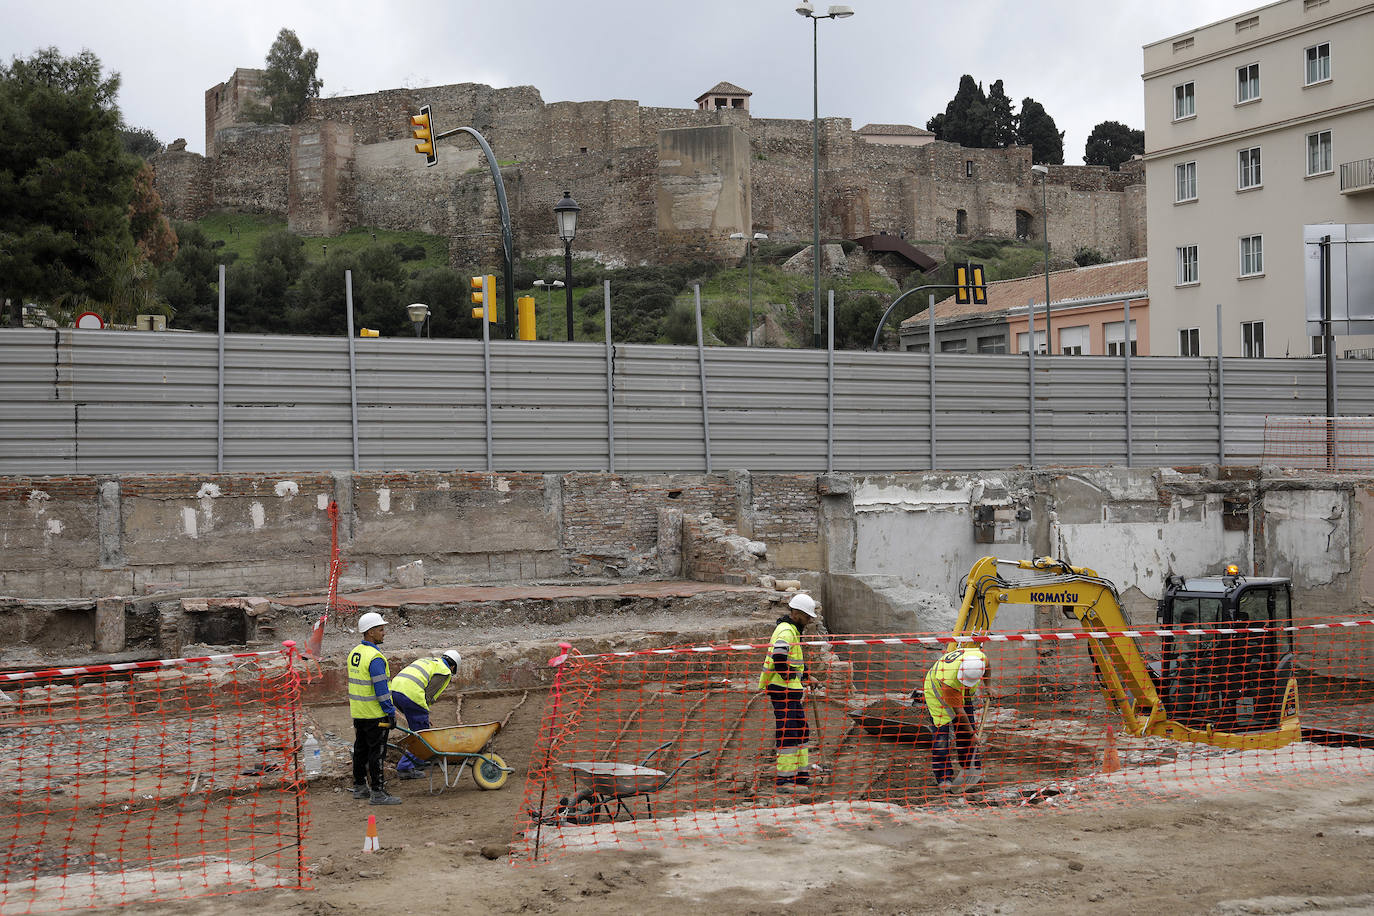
x=603, y=783
x=463, y=746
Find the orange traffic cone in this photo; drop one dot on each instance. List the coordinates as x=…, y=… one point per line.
x=370, y=842
x=1111, y=762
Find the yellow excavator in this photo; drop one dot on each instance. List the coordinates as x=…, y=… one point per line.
x=1228, y=690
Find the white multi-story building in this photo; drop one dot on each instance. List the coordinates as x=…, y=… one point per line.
x=1254, y=126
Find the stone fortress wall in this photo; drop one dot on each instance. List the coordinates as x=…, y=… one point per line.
x=655, y=184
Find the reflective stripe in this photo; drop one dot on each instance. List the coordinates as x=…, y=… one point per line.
x=785, y=634
x=422, y=681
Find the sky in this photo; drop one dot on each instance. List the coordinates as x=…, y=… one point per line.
x=893, y=62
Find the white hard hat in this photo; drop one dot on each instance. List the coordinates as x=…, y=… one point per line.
x=369, y=620
x=453, y=659
x=804, y=603
x=971, y=669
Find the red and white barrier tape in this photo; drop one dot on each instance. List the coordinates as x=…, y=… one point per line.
x=48, y=673
x=1065, y=635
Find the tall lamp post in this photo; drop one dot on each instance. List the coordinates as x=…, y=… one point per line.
x=565, y=215
x=806, y=9
x=749, y=261
x=1044, y=171
x=419, y=314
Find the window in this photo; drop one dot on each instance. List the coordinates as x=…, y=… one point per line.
x=1251, y=255
x=920, y=348
x=1074, y=341
x=1183, y=101
x=1318, y=346
x=1183, y=44
x=1252, y=339
x=968, y=168
x=1249, y=169
x=1185, y=182
x=1246, y=24
x=961, y=222
x=954, y=346
x=1318, y=68
x=1247, y=83
x=1115, y=334
x=1309, y=5
x=1187, y=265
x=1023, y=341
x=994, y=344
x=1319, y=153
x=1188, y=344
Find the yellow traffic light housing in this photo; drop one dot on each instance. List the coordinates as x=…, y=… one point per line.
x=368, y=332
x=423, y=131
x=961, y=291
x=524, y=318
x=979, y=286
x=483, y=289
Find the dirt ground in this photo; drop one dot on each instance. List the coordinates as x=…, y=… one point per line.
x=1289, y=847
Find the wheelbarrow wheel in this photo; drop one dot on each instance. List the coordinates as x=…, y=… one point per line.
x=489, y=772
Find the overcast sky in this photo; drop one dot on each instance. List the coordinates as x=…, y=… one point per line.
x=893, y=62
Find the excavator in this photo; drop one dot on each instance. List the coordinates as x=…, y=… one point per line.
x=1231, y=690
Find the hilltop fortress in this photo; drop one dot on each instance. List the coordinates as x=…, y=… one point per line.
x=655, y=184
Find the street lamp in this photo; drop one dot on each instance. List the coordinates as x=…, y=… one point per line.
x=548, y=286
x=565, y=214
x=835, y=12
x=419, y=314
x=1044, y=171
x=749, y=260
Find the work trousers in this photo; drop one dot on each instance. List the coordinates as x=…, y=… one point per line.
x=417, y=717
x=369, y=747
x=964, y=746
x=790, y=735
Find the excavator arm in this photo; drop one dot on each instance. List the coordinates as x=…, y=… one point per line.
x=1124, y=677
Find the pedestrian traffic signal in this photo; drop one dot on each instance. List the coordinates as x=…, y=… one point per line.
x=424, y=132
x=483, y=291
x=970, y=285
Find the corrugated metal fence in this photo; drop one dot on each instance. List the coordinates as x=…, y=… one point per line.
x=97, y=402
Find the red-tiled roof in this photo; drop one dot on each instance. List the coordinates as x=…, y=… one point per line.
x=1118, y=277
x=894, y=130
x=723, y=88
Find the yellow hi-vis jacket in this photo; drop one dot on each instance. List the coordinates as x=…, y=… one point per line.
x=789, y=674
x=944, y=674
x=422, y=681
x=363, y=702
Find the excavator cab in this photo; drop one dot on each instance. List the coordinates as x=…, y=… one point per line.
x=1233, y=682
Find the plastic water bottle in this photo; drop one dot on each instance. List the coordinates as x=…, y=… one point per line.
x=314, y=760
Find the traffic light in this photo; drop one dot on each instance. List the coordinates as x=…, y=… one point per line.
x=970, y=285
x=424, y=132
x=524, y=317
x=483, y=291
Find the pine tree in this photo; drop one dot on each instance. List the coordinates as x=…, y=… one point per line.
x=1036, y=129
x=1112, y=143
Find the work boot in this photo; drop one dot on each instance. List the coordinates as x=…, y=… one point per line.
x=362, y=791
x=380, y=797
x=972, y=777
x=410, y=774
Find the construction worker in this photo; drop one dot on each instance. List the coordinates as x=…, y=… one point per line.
x=369, y=702
x=785, y=678
x=949, y=687
x=414, y=690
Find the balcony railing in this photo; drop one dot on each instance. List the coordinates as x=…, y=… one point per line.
x=1357, y=176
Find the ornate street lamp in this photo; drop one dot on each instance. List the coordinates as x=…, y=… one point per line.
x=565, y=214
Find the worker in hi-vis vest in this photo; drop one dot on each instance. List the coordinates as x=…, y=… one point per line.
x=369, y=702
x=414, y=691
x=785, y=678
x=948, y=691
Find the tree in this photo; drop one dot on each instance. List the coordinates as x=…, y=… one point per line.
x=289, y=80
x=140, y=142
x=966, y=115
x=1036, y=129
x=153, y=235
x=1112, y=143
x=66, y=183
x=999, y=129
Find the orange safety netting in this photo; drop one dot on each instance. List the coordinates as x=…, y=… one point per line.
x=147, y=781
x=1319, y=443
x=657, y=747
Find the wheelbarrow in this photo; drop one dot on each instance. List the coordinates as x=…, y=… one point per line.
x=460, y=746
x=603, y=783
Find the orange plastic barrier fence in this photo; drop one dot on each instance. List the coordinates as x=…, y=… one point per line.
x=660, y=747
x=148, y=781
x=1319, y=443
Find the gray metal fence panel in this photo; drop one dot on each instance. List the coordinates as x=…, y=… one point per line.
x=982, y=412
x=549, y=406
x=767, y=409
x=1080, y=410
x=882, y=411
x=37, y=430
x=1174, y=410
x=658, y=424
x=1256, y=388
